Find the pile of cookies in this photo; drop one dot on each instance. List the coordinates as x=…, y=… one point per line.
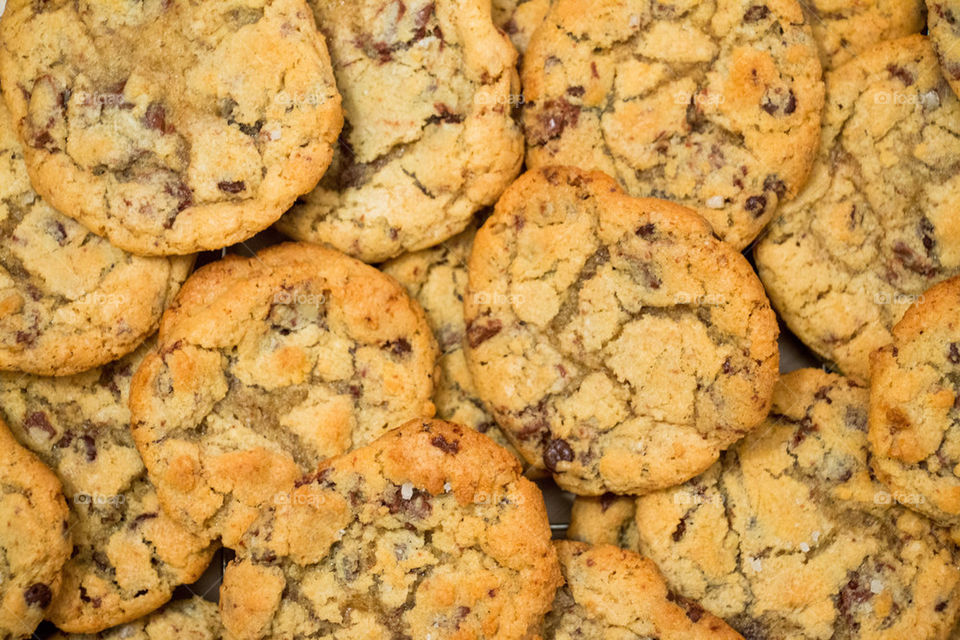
x=542, y=241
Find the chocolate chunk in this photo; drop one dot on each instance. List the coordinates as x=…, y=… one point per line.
x=791, y=105
x=399, y=348
x=681, y=529
x=155, y=117
x=912, y=260
x=557, y=114
x=646, y=230
x=90, y=444
x=693, y=610
x=418, y=506
x=557, y=451
x=183, y=195
x=607, y=500
x=901, y=74
x=756, y=205
x=479, y=331
x=854, y=593
x=57, y=232
x=38, y=595
x=775, y=184
x=756, y=13
x=954, y=353
x=445, y=445
x=39, y=420
x=927, y=234
x=576, y=91
x=232, y=187
x=805, y=428
x=26, y=337
x=252, y=130
x=445, y=114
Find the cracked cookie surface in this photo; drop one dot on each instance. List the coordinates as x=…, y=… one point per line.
x=789, y=536
x=879, y=221
x=613, y=593
x=34, y=538
x=170, y=126
x=267, y=365
x=69, y=301
x=844, y=29
x=429, y=532
x=714, y=105
x=128, y=555
x=428, y=89
x=193, y=619
x=619, y=344
x=944, y=26
x=519, y=19
x=915, y=406
x=437, y=279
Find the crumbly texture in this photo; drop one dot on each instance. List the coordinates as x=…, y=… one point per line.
x=34, y=538
x=193, y=619
x=789, y=536
x=69, y=301
x=128, y=556
x=844, y=29
x=607, y=519
x=437, y=279
x=428, y=92
x=715, y=105
x=879, y=221
x=519, y=19
x=429, y=532
x=170, y=126
x=613, y=594
x=944, y=26
x=619, y=344
x=265, y=367
x=915, y=406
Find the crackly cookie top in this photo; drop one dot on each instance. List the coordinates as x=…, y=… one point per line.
x=34, y=538
x=69, y=301
x=437, y=279
x=879, y=222
x=266, y=366
x=429, y=532
x=428, y=90
x=789, y=536
x=520, y=18
x=170, y=126
x=620, y=343
x=844, y=29
x=715, y=105
x=193, y=619
x=614, y=593
x=944, y=26
x=915, y=406
x=128, y=555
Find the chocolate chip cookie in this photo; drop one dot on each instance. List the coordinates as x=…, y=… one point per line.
x=846, y=28
x=266, y=366
x=429, y=532
x=437, y=279
x=519, y=19
x=193, y=619
x=915, y=406
x=613, y=593
x=69, y=301
x=428, y=90
x=944, y=26
x=34, y=538
x=607, y=519
x=170, y=126
x=619, y=344
x=879, y=222
x=128, y=555
x=715, y=105
x=789, y=536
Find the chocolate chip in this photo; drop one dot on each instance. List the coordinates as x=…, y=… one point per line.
x=693, y=610
x=727, y=367
x=557, y=114
x=479, y=331
x=756, y=205
x=38, y=595
x=927, y=234
x=26, y=337
x=445, y=445
x=646, y=230
x=576, y=91
x=756, y=13
x=57, y=232
x=942, y=605
x=954, y=354
x=775, y=184
x=445, y=114
x=252, y=130
x=557, y=451
x=607, y=500
x=155, y=117
x=901, y=74
x=91, y=446
x=912, y=261
x=232, y=187
x=681, y=529
x=399, y=348
x=804, y=428
x=418, y=506
x=39, y=420
x=791, y=105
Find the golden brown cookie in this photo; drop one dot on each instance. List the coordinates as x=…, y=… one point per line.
x=944, y=26
x=428, y=532
x=264, y=367
x=619, y=344
x=170, y=126
x=714, y=105
x=193, y=619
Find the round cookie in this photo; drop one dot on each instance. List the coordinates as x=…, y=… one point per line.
x=266, y=366
x=128, y=555
x=613, y=593
x=944, y=27
x=170, y=126
x=428, y=87
x=789, y=536
x=69, y=301
x=844, y=29
x=429, y=532
x=618, y=343
x=34, y=538
x=879, y=221
x=519, y=19
x=915, y=406
x=714, y=105
x=193, y=619
x=437, y=279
